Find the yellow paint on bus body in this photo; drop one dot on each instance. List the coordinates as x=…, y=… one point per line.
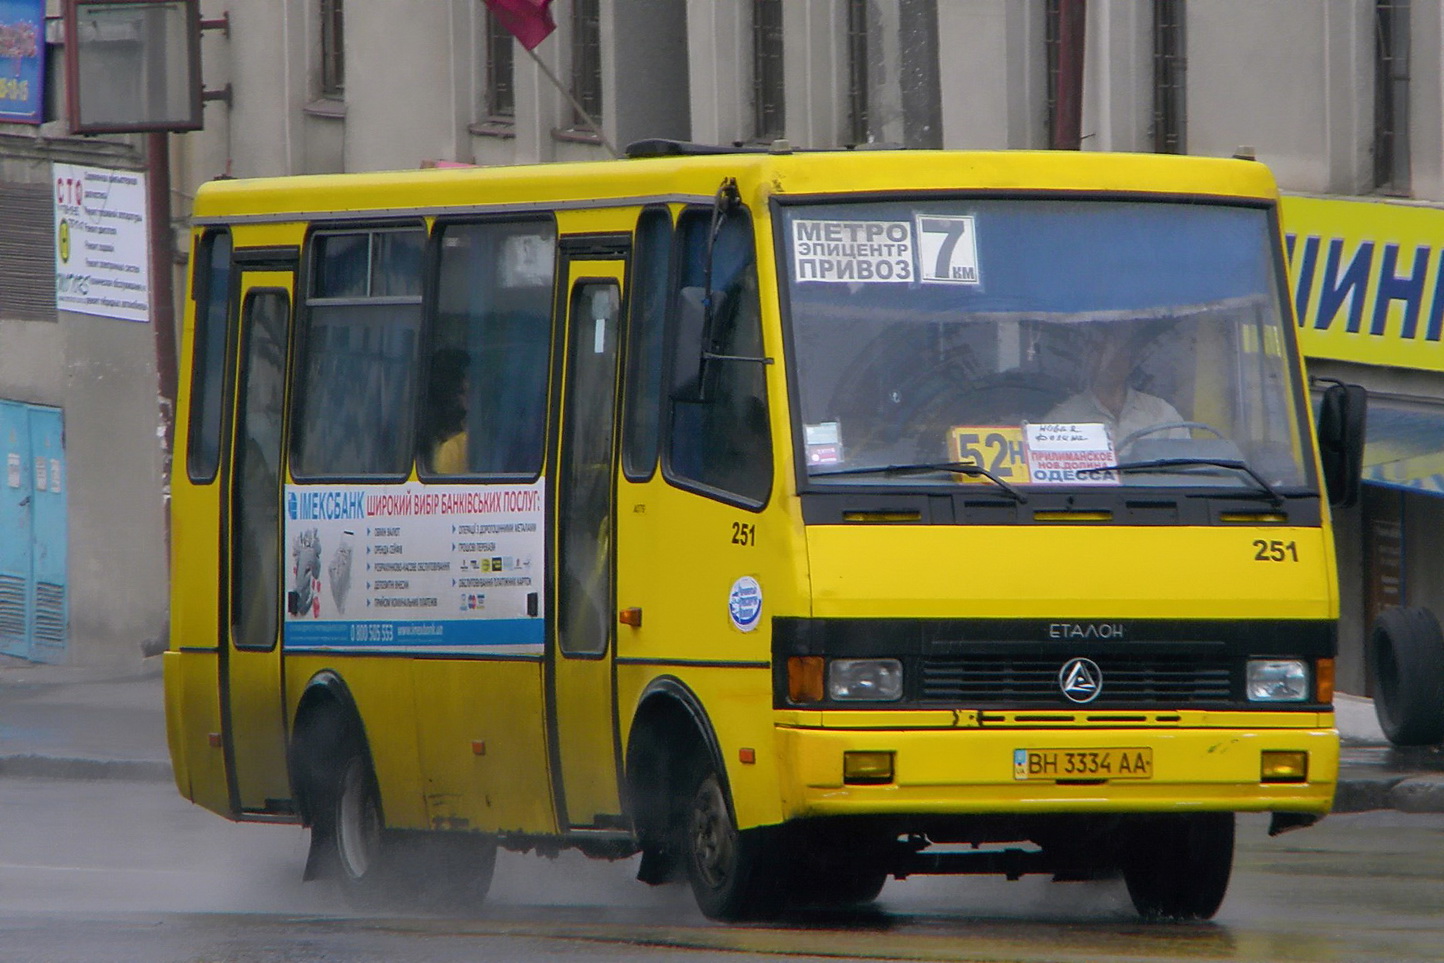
x=468, y=742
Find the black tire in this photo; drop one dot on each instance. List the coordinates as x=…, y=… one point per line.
x=365, y=852
x=448, y=873
x=1407, y=655
x=379, y=868
x=1177, y=866
x=731, y=871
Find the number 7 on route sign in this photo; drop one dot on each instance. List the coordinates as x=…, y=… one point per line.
x=947, y=250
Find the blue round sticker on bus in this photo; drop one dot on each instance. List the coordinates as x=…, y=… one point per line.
x=744, y=603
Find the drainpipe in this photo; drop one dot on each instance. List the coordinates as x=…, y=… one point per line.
x=1068, y=120
x=162, y=302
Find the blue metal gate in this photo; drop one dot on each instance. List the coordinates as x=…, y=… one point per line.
x=33, y=533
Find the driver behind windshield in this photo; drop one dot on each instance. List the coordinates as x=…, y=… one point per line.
x=1116, y=351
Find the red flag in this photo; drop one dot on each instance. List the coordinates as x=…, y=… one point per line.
x=529, y=21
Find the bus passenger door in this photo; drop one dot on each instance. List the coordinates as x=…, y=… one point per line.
x=580, y=682
x=250, y=669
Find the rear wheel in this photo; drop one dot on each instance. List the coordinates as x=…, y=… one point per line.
x=364, y=853
x=1177, y=866
x=731, y=870
x=380, y=868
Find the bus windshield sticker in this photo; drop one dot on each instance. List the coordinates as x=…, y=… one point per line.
x=997, y=448
x=1069, y=454
x=824, y=443
x=947, y=250
x=411, y=567
x=744, y=603
x=853, y=251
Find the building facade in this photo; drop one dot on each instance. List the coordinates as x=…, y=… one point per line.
x=1341, y=98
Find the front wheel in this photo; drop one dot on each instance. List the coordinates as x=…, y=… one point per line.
x=1177, y=866
x=729, y=869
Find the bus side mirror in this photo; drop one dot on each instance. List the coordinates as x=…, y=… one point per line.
x=1341, y=441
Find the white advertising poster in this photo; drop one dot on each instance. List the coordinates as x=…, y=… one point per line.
x=411, y=567
x=102, y=261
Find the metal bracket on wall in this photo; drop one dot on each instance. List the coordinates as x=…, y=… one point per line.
x=223, y=24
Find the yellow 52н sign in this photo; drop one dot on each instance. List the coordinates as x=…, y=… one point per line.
x=1367, y=279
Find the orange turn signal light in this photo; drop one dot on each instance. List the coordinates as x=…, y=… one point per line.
x=804, y=678
x=1324, y=680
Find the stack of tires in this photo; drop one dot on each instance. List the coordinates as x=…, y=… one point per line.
x=1407, y=654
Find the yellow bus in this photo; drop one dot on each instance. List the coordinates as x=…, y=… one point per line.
x=795, y=520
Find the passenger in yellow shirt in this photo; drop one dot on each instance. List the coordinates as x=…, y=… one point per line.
x=444, y=429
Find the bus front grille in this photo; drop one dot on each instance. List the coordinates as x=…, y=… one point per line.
x=999, y=680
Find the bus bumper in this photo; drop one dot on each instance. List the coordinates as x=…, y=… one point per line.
x=975, y=771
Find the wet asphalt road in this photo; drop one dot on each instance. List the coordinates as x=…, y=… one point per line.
x=127, y=871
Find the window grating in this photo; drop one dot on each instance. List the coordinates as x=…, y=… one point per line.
x=1169, y=63
x=769, y=115
x=587, y=60
x=1391, y=96
x=27, y=252
x=333, y=49
x=859, y=119
x=1052, y=45
x=500, y=92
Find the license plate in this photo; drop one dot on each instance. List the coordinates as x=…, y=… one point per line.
x=1053, y=764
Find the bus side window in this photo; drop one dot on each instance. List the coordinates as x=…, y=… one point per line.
x=211, y=288
x=486, y=394
x=357, y=375
x=718, y=436
x=642, y=405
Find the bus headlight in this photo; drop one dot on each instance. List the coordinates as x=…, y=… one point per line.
x=874, y=680
x=1278, y=680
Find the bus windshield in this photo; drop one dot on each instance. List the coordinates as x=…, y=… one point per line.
x=1050, y=342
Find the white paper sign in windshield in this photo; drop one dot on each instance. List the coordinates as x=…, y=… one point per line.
x=1069, y=454
x=947, y=249
x=852, y=251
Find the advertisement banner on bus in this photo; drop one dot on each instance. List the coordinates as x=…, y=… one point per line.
x=415, y=567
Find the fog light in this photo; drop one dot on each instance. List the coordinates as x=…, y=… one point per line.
x=804, y=678
x=875, y=680
x=866, y=768
x=1278, y=680
x=1279, y=765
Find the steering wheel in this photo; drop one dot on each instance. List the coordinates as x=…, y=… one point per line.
x=1166, y=426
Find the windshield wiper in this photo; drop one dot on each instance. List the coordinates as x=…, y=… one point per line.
x=1160, y=463
x=956, y=467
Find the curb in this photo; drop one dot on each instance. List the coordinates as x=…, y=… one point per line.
x=1418, y=795
x=1399, y=791
x=61, y=767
